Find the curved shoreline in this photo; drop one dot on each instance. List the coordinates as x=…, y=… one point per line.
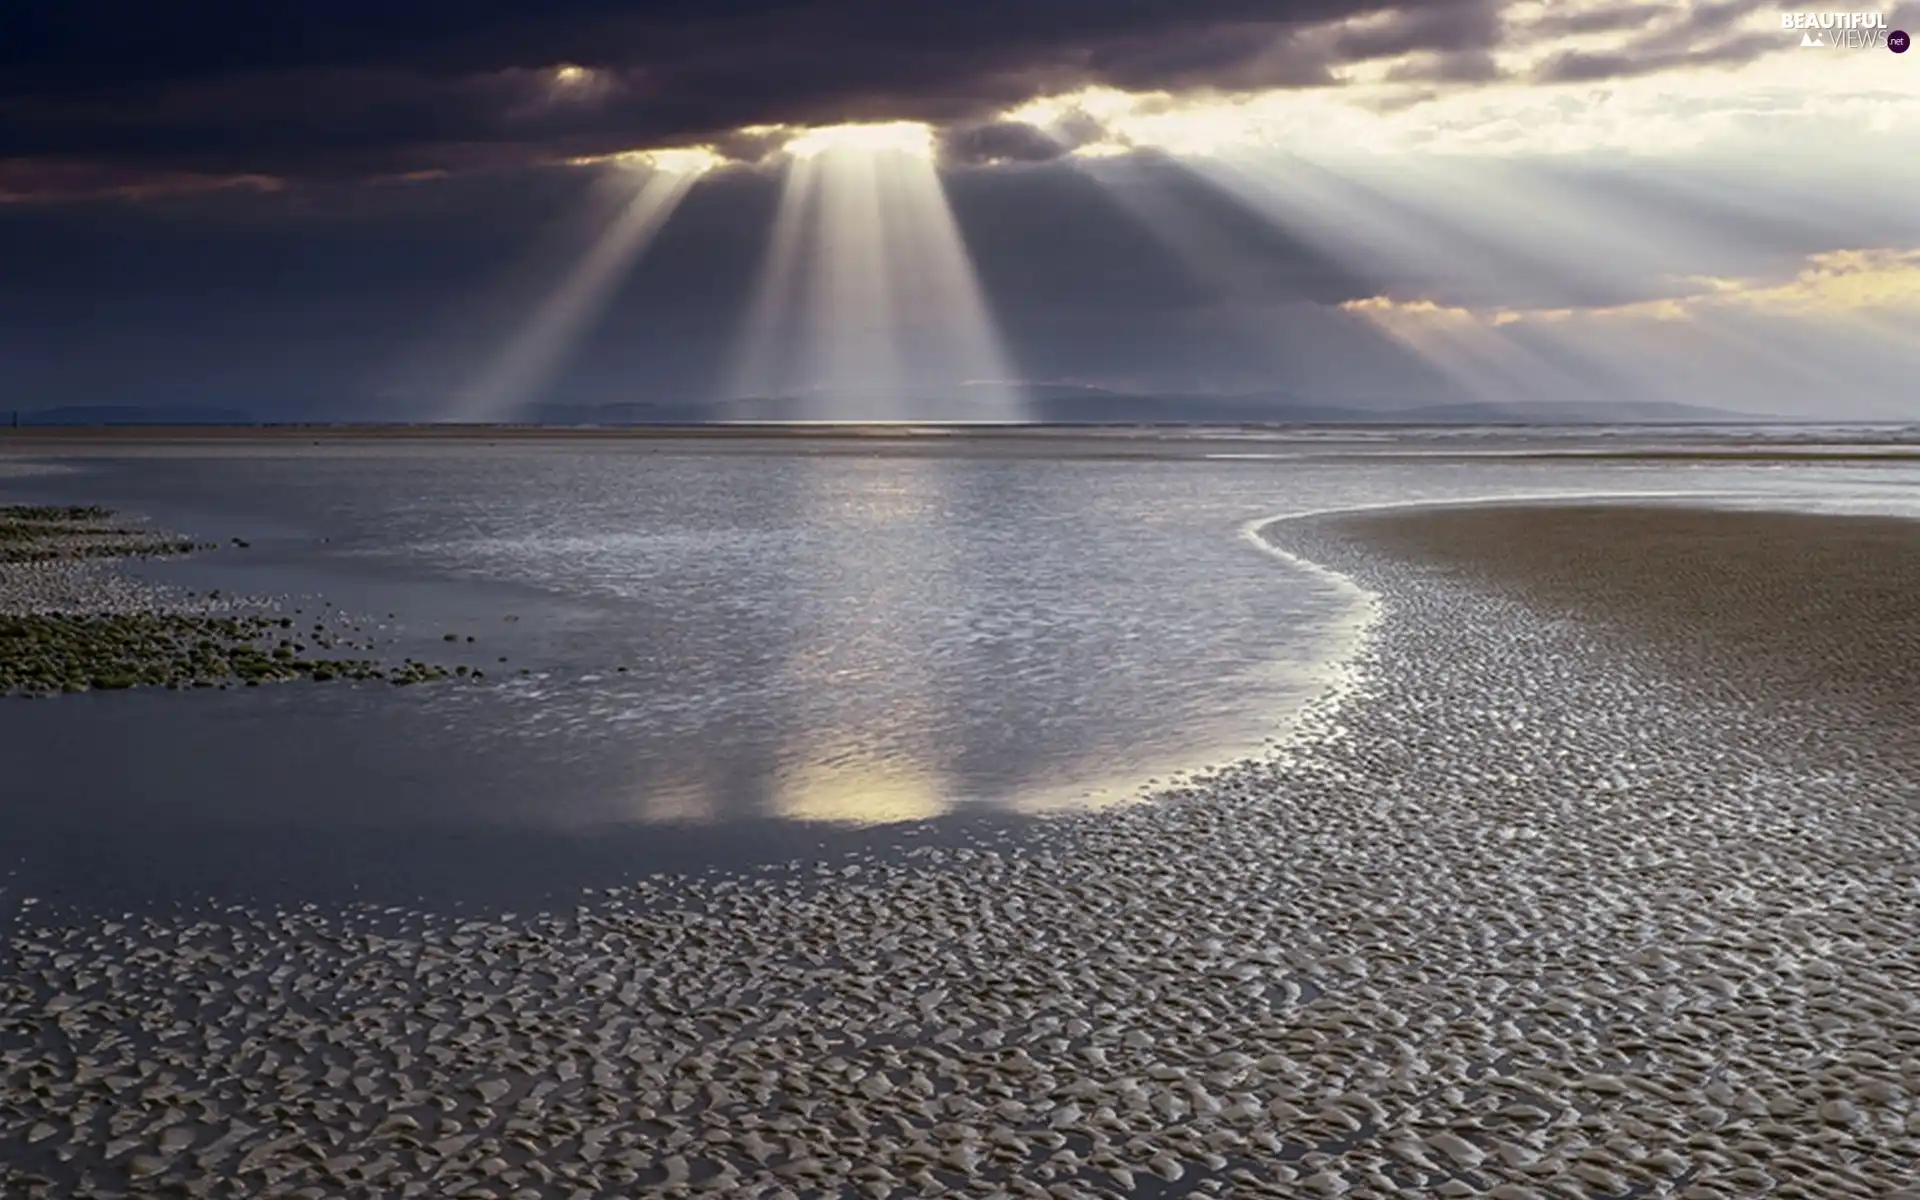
x=1815, y=612
x=1536, y=920
x=74, y=619
x=1355, y=634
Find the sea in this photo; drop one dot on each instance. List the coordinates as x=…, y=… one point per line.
x=701, y=653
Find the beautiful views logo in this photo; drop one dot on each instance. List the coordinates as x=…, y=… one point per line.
x=1845, y=30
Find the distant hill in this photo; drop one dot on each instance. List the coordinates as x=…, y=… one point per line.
x=618, y=414
x=1053, y=405
x=129, y=414
x=1092, y=406
x=1619, y=412
x=1273, y=408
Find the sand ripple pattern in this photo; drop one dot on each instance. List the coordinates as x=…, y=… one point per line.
x=1522, y=918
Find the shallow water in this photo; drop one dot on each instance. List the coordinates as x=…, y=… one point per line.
x=815, y=642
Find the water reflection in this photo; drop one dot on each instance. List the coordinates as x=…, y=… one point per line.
x=722, y=650
x=860, y=792
x=685, y=798
x=858, y=650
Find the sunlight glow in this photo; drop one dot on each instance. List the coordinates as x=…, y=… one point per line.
x=867, y=306
x=905, y=137
x=1782, y=99
x=685, y=797
x=858, y=761
x=1462, y=240
x=1842, y=322
x=1833, y=285
x=685, y=160
x=1482, y=358
x=1107, y=123
x=1099, y=104
x=850, y=795
x=569, y=83
x=1473, y=207
x=676, y=160
x=538, y=350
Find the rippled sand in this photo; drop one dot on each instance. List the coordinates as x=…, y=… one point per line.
x=1821, y=614
x=1558, y=902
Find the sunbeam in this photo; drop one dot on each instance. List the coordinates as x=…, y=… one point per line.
x=537, y=351
x=851, y=343
x=1140, y=187
x=867, y=306
x=1515, y=283
x=1479, y=358
x=762, y=360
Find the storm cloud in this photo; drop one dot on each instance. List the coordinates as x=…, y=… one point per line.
x=356, y=89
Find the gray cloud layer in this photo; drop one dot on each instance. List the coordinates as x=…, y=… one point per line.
x=354, y=89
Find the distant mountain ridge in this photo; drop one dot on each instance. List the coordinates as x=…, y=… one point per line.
x=1090, y=406
x=1059, y=405
x=129, y=415
x=1280, y=408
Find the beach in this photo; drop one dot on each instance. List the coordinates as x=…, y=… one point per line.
x=1554, y=898
x=71, y=620
x=1818, y=614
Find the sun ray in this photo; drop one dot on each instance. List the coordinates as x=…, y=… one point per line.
x=893, y=323
x=528, y=361
x=851, y=343
x=1141, y=190
x=1481, y=359
x=1515, y=282
x=764, y=362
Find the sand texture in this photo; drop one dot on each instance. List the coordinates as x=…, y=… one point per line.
x=72, y=621
x=1530, y=913
x=1820, y=612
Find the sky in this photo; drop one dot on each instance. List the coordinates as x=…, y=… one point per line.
x=421, y=210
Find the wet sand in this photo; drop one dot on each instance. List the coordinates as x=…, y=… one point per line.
x=72, y=621
x=1819, y=612
x=1551, y=903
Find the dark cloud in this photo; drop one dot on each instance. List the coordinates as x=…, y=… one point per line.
x=1663, y=20
x=1464, y=66
x=999, y=142
x=99, y=96
x=1905, y=13
x=1249, y=57
x=1655, y=55
x=1610, y=19
x=1672, y=38
x=1713, y=18
x=1462, y=27
x=354, y=88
